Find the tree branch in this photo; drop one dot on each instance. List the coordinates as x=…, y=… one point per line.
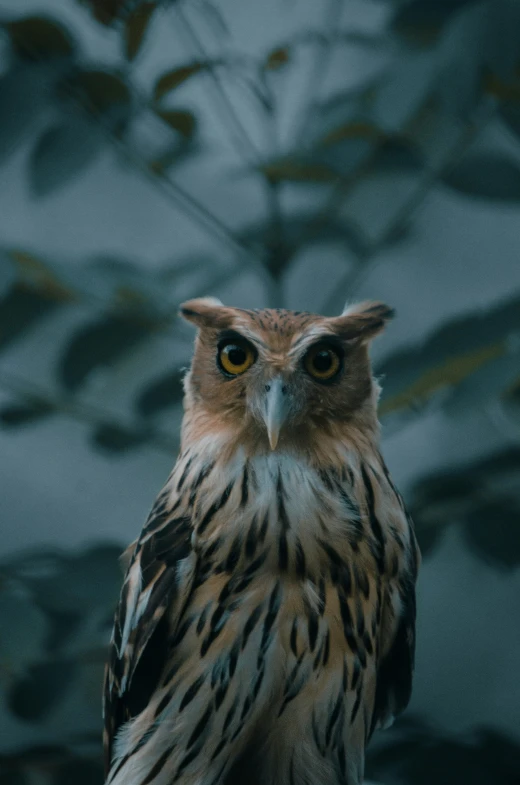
x=230, y=118
x=223, y=106
x=320, y=65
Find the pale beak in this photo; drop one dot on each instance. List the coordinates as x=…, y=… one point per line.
x=276, y=409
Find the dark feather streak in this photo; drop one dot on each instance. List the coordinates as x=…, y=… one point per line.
x=158, y=767
x=378, y=548
x=200, y=726
x=215, y=507
x=191, y=692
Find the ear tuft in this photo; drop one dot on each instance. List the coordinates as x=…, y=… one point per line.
x=362, y=321
x=205, y=312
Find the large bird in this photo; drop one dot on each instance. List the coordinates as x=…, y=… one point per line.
x=266, y=622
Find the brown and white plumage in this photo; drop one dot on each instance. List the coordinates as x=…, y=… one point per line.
x=266, y=622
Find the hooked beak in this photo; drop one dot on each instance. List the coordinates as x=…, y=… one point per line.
x=276, y=409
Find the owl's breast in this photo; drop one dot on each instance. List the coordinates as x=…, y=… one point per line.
x=279, y=515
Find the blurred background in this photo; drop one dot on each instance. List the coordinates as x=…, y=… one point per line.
x=289, y=153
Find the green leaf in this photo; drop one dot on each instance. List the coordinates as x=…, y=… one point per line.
x=35, y=273
x=487, y=383
x=487, y=175
x=503, y=34
x=276, y=59
x=24, y=94
x=136, y=26
x=398, y=155
x=461, y=53
x=344, y=156
x=7, y=275
x=24, y=631
x=510, y=401
x=14, y=776
x=131, y=289
x=297, y=169
x=180, y=120
x=421, y=21
x=173, y=154
x=336, y=152
x=15, y=415
x=405, y=90
x=510, y=114
x=436, y=502
x=507, y=91
x=342, y=116
x=493, y=532
x=80, y=772
x=452, y=354
x=172, y=79
x=482, y=497
x=39, y=38
x=359, y=130
x=161, y=394
x=429, y=538
x=97, y=346
x=429, y=757
x=53, y=763
x=27, y=565
x=460, y=86
x=92, y=580
x=105, y=11
x=62, y=152
x=103, y=93
x=20, y=310
x=116, y=439
x=41, y=690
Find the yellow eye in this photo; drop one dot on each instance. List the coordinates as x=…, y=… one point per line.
x=322, y=362
x=235, y=357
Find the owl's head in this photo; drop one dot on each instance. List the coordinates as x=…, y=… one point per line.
x=279, y=375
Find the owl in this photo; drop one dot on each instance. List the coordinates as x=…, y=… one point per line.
x=266, y=625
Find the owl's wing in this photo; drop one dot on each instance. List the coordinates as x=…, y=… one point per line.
x=141, y=628
x=395, y=671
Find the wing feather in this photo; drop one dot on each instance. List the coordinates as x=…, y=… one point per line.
x=139, y=649
x=395, y=671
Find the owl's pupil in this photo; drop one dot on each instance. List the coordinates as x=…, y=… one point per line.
x=236, y=355
x=323, y=361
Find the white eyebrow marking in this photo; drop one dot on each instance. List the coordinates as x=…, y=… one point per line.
x=244, y=331
x=312, y=336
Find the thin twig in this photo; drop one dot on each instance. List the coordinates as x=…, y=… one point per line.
x=320, y=65
x=223, y=105
x=252, y=157
x=188, y=204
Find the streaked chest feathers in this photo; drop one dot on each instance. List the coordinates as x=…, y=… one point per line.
x=314, y=534
x=290, y=576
